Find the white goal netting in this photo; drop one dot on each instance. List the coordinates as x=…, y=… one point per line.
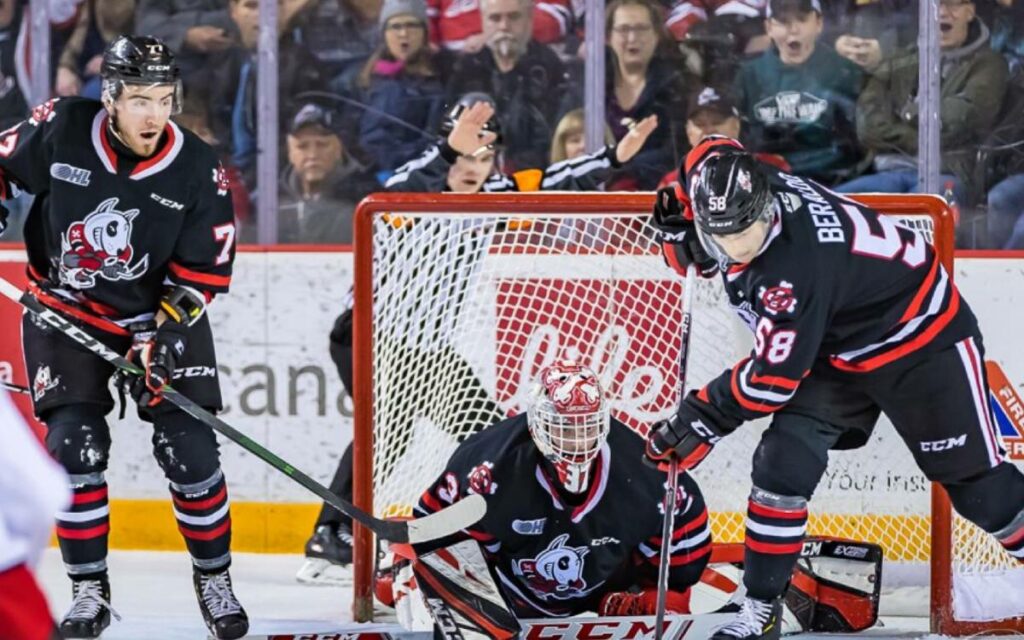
x=468, y=307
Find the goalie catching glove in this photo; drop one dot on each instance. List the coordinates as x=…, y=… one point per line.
x=677, y=233
x=689, y=435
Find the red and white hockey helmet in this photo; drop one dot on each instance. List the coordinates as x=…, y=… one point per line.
x=569, y=421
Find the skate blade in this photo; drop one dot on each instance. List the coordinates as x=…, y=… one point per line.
x=320, y=572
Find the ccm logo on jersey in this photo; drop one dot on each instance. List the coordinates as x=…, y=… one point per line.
x=177, y=206
x=778, y=299
x=195, y=372
x=68, y=173
x=944, y=445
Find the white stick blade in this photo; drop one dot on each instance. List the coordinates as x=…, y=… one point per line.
x=464, y=513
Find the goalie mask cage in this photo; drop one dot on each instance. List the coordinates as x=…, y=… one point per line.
x=461, y=299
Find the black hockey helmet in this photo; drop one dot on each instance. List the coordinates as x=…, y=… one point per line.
x=730, y=192
x=465, y=102
x=139, y=60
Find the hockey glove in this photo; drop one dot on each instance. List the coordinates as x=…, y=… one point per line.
x=688, y=435
x=677, y=233
x=159, y=357
x=644, y=603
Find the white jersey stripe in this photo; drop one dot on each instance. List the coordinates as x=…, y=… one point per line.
x=981, y=408
x=934, y=306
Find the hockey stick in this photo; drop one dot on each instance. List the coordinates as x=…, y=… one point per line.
x=460, y=515
x=668, y=524
x=17, y=388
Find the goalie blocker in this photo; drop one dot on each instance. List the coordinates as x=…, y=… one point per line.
x=834, y=588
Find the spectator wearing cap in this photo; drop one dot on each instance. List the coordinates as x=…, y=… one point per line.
x=526, y=79
x=322, y=184
x=799, y=97
x=401, y=88
x=712, y=111
x=973, y=82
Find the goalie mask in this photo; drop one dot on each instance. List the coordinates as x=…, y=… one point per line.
x=730, y=194
x=569, y=421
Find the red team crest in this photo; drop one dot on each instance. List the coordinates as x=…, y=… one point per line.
x=43, y=112
x=220, y=178
x=481, y=480
x=778, y=299
x=556, y=572
x=100, y=247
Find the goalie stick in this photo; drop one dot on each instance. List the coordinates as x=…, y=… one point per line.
x=673, y=466
x=449, y=520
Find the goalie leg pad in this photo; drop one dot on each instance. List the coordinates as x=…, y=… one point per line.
x=460, y=594
x=836, y=585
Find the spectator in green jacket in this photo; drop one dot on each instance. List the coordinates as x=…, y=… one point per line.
x=799, y=97
x=974, y=80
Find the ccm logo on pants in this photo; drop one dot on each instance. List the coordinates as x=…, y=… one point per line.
x=944, y=445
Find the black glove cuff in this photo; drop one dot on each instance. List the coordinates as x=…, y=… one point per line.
x=449, y=154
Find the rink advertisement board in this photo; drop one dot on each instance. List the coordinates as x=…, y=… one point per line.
x=281, y=389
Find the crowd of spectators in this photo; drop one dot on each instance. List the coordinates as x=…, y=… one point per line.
x=824, y=88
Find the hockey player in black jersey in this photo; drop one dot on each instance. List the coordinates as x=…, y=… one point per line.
x=131, y=235
x=852, y=316
x=574, y=516
x=464, y=162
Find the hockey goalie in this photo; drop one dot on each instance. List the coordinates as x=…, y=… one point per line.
x=573, y=526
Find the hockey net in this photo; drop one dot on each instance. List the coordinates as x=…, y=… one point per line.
x=461, y=300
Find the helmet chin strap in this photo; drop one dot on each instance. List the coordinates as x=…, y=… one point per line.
x=112, y=127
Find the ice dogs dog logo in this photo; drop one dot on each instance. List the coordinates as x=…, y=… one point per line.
x=556, y=572
x=100, y=246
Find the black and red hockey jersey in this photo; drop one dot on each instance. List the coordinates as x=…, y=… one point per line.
x=107, y=232
x=554, y=556
x=835, y=284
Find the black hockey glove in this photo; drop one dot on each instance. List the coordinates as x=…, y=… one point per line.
x=158, y=354
x=688, y=436
x=677, y=233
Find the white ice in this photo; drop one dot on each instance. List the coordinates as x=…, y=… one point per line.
x=153, y=593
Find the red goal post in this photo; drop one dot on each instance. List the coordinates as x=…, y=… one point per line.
x=380, y=221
